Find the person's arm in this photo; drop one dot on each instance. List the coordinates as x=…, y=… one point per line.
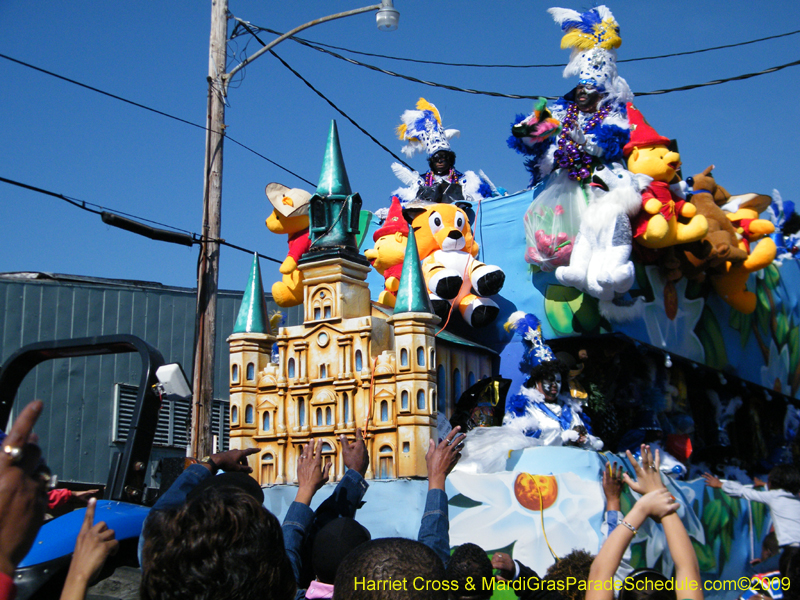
x=346, y=497
x=434, y=529
x=311, y=476
x=94, y=545
x=657, y=504
x=23, y=495
x=612, y=489
x=687, y=568
x=737, y=490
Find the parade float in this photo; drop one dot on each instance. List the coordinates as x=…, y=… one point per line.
x=670, y=302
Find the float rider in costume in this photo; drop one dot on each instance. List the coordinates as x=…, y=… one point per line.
x=589, y=124
x=422, y=130
x=540, y=409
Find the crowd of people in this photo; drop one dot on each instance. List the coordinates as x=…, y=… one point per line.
x=210, y=536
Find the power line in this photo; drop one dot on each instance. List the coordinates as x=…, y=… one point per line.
x=108, y=217
x=534, y=97
x=328, y=100
x=511, y=66
x=153, y=110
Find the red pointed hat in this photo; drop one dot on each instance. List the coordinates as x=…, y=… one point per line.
x=642, y=133
x=394, y=221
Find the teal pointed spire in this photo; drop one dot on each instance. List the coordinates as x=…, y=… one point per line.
x=412, y=295
x=253, y=312
x=333, y=178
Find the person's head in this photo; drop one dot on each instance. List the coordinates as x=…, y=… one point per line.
x=572, y=567
x=784, y=477
x=469, y=563
x=588, y=95
x=369, y=571
x=641, y=585
x=332, y=543
x=220, y=544
x=547, y=378
x=442, y=161
x=769, y=546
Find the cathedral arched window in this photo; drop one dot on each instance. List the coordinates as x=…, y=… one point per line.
x=235, y=374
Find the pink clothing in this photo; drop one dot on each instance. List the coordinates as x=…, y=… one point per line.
x=317, y=589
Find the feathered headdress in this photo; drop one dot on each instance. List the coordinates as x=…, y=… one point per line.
x=422, y=129
x=529, y=328
x=593, y=37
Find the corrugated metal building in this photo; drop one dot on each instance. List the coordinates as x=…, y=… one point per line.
x=88, y=400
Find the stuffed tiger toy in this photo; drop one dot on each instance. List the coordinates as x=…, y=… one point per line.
x=453, y=275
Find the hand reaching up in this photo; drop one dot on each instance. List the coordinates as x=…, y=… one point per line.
x=648, y=473
x=311, y=473
x=355, y=453
x=95, y=544
x=443, y=457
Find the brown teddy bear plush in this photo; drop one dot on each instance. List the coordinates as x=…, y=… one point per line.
x=720, y=244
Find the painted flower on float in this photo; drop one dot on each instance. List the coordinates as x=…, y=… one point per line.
x=775, y=375
x=503, y=508
x=670, y=318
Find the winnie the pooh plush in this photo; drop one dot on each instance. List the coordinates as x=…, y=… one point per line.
x=657, y=225
x=289, y=216
x=454, y=278
x=390, y=249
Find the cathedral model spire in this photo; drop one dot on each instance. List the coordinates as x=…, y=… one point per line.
x=334, y=210
x=252, y=316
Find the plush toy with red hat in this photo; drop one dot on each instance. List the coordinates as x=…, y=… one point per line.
x=390, y=248
x=289, y=216
x=657, y=225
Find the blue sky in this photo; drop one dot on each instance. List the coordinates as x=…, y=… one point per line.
x=73, y=141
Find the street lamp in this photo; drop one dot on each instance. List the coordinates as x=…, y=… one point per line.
x=208, y=265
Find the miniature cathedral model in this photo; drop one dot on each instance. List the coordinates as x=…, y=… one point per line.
x=349, y=364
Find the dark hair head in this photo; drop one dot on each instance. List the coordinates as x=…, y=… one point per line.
x=785, y=477
x=239, y=480
x=222, y=544
x=389, y=560
x=450, y=154
x=541, y=371
x=332, y=543
x=644, y=579
x=470, y=561
x=576, y=564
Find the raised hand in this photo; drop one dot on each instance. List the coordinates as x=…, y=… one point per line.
x=612, y=485
x=23, y=489
x=311, y=473
x=95, y=544
x=234, y=460
x=443, y=457
x=355, y=453
x=648, y=473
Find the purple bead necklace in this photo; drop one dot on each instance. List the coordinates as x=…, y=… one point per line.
x=570, y=154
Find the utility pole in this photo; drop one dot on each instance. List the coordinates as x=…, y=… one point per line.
x=208, y=265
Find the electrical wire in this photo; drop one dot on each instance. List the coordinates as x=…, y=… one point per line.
x=511, y=66
x=99, y=209
x=534, y=97
x=153, y=110
x=328, y=100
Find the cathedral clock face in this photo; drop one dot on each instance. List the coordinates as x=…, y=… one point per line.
x=535, y=492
